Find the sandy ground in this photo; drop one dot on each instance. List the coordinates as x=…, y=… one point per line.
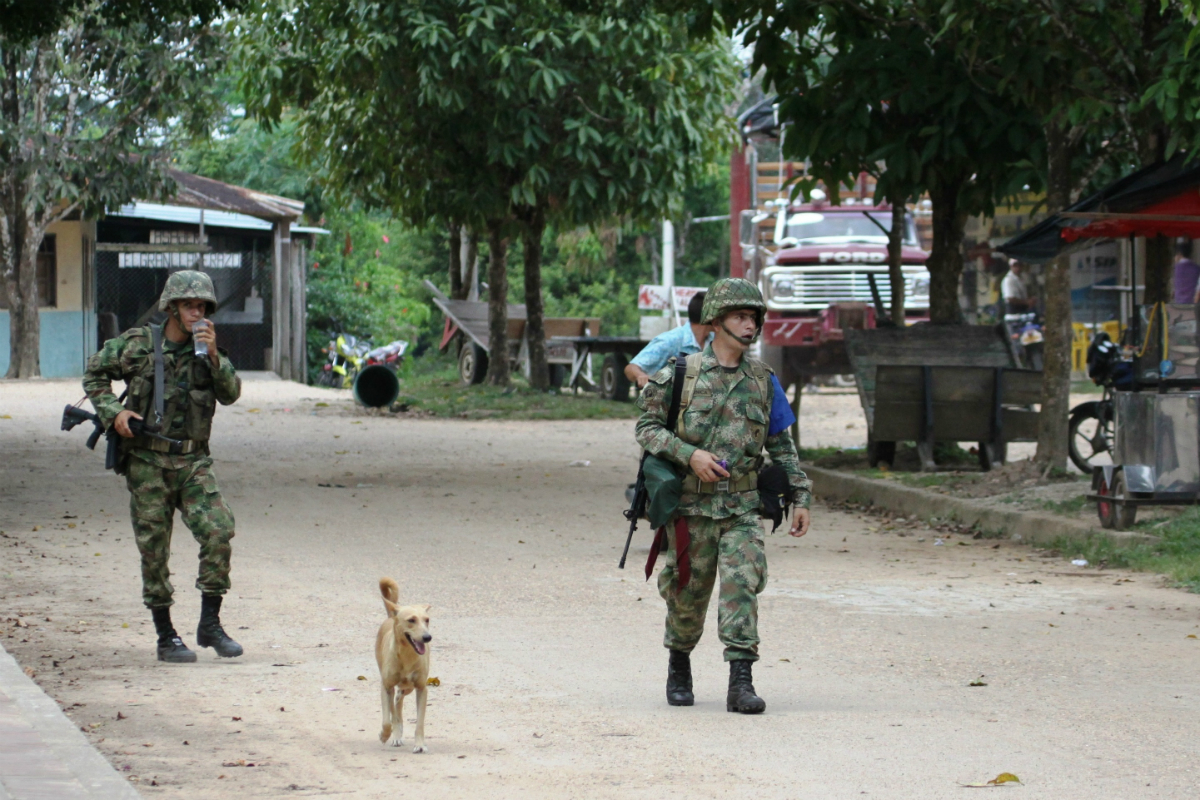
x=549, y=657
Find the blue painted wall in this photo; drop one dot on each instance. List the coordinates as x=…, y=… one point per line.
x=68, y=339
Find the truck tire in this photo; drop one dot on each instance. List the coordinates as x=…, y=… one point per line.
x=613, y=383
x=472, y=363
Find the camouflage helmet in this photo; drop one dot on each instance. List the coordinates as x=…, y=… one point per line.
x=188, y=284
x=729, y=293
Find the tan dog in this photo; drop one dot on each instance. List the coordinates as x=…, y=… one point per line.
x=402, y=651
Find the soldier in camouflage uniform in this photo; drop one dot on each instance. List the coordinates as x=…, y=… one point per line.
x=727, y=419
x=162, y=477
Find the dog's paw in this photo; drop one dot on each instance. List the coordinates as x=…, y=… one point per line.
x=385, y=734
x=420, y=749
x=395, y=741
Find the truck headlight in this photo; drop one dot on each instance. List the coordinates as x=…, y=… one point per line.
x=782, y=286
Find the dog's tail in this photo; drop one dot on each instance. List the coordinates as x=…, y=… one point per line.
x=391, y=595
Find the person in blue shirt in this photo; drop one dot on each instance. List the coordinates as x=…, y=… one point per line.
x=689, y=339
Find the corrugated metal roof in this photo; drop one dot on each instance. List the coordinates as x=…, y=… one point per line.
x=189, y=215
x=207, y=193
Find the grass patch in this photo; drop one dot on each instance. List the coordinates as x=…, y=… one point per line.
x=1071, y=507
x=1176, y=554
x=432, y=386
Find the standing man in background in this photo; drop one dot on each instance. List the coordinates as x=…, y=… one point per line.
x=1014, y=291
x=178, y=390
x=689, y=339
x=1187, y=274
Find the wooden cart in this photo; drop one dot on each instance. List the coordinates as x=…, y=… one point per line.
x=931, y=383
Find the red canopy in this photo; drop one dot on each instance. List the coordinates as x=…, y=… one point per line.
x=1176, y=216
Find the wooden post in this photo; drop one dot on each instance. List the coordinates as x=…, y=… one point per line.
x=298, y=345
x=281, y=307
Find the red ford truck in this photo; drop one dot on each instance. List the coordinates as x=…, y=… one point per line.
x=813, y=272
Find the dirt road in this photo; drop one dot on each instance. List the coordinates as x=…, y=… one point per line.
x=550, y=659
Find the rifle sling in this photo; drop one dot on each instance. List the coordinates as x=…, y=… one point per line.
x=677, y=391
x=159, y=389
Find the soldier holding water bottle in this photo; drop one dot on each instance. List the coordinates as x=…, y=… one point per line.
x=175, y=376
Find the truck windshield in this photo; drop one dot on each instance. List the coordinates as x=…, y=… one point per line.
x=814, y=227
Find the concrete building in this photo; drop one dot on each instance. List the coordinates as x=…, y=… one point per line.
x=97, y=278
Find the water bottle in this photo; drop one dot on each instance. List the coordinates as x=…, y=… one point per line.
x=200, y=348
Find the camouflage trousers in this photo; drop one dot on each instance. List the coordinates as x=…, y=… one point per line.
x=732, y=549
x=154, y=494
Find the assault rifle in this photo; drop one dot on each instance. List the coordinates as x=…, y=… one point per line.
x=74, y=415
x=637, y=507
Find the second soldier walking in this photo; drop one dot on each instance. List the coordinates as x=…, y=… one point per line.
x=732, y=409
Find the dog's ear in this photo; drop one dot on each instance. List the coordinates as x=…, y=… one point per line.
x=427, y=606
x=391, y=607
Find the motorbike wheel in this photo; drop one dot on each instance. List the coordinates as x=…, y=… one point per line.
x=1090, y=433
x=326, y=378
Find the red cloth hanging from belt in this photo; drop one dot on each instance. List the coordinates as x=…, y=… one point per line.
x=683, y=563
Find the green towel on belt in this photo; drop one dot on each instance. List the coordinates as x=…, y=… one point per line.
x=663, y=488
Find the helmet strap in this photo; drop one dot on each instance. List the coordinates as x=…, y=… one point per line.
x=745, y=340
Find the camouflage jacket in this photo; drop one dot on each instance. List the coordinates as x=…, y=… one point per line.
x=192, y=389
x=729, y=418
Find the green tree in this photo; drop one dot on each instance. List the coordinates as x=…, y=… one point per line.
x=872, y=82
x=92, y=96
x=1099, y=78
x=501, y=116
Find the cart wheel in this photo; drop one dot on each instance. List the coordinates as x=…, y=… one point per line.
x=1126, y=514
x=880, y=451
x=991, y=455
x=1113, y=513
x=472, y=363
x=613, y=383
x=1091, y=435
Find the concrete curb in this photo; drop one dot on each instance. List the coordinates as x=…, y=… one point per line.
x=1030, y=526
x=48, y=756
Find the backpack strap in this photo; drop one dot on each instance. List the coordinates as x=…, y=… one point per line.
x=677, y=388
x=689, y=378
x=762, y=376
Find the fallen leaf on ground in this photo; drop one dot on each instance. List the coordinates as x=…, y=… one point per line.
x=362, y=677
x=252, y=410
x=1000, y=780
x=433, y=682
x=1191, y=636
x=29, y=671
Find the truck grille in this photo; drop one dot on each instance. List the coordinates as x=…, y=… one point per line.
x=812, y=288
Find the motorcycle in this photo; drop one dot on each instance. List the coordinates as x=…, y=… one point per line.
x=1091, y=424
x=390, y=355
x=346, y=357
x=1026, y=332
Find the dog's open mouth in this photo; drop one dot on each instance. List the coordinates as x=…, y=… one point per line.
x=418, y=646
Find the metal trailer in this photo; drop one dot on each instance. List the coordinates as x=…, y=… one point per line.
x=467, y=323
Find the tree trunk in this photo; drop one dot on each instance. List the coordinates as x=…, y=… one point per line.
x=498, y=371
x=1159, y=271
x=535, y=329
x=18, y=249
x=1056, y=354
x=457, y=288
x=470, y=263
x=945, y=258
x=895, y=256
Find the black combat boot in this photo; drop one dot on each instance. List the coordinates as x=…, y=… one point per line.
x=210, y=633
x=741, y=695
x=170, y=647
x=679, y=679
